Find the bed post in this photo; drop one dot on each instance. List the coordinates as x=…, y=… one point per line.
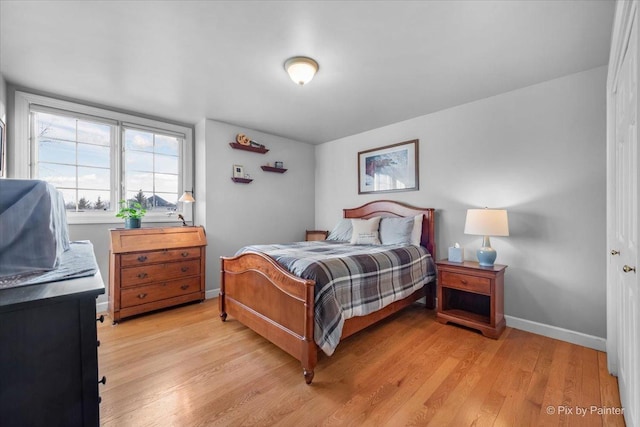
x=310, y=349
x=221, y=306
x=430, y=295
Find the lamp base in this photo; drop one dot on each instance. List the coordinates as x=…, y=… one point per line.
x=486, y=256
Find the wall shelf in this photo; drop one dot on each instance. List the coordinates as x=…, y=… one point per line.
x=237, y=146
x=241, y=180
x=272, y=169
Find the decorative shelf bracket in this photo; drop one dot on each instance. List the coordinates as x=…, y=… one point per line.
x=237, y=146
x=241, y=180
x=272, y=169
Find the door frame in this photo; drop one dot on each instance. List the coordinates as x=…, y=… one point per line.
x=625, y=15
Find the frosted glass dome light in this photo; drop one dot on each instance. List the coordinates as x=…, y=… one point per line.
x=301, y=69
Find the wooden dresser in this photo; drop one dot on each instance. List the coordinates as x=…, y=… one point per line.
x=153, y=268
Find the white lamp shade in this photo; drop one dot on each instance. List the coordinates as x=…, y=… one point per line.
x=487, y=222
x=187, y=197
x=301, y=69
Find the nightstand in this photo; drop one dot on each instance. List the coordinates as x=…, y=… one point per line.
x=316, y=235
x=472, y=296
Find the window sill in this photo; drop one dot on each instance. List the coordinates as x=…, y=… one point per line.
x=109, y=218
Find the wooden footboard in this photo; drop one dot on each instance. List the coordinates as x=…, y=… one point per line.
x=262, y=295
x=265, y=297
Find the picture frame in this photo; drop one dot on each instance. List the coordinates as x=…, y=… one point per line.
x=238, y=171
x=3, y=149
x=387, y=169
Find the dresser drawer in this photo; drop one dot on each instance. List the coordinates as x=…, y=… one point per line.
x=143, y=258
x=133, y=276
x=466, y=282
x=132, y=297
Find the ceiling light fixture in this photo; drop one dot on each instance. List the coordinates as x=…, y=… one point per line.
x=301, y=69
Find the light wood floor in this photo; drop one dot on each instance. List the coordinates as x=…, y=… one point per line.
x=184, y=367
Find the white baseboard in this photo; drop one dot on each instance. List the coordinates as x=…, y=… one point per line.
x=555, y=332
x=101, y=307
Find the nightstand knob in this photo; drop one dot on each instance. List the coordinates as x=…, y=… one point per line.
x=141, y=296
x=464, y=282
x=184, y=269
x=184, y=287
x=103, y=380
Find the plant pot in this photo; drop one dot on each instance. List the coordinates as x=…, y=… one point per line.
x=132, y=222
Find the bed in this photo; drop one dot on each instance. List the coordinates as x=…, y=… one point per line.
x=263, y=295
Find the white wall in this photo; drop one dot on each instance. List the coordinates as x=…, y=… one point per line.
x=274, y=208
x=538, y=152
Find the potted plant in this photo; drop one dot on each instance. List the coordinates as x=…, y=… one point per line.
x=132, y=213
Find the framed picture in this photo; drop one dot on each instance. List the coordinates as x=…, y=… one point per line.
x=238, y=171
x=3, y=149
x=389, y=169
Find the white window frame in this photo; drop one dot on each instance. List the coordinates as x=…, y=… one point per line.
x=24, y=152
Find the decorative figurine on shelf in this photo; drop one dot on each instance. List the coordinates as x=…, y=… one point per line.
x=243, y=139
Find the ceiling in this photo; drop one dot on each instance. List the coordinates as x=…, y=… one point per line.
x=380, y=61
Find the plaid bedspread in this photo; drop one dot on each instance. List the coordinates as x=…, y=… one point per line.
x=351, y=280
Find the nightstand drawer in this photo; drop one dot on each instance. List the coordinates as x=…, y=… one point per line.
x=466, y=282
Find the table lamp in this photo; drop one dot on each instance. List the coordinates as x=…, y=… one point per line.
x=487, y=222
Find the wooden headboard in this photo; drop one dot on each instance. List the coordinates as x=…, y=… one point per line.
x=389, y=208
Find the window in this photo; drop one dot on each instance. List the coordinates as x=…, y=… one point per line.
x=97, y=157
x=75, y=155
x=152, y=169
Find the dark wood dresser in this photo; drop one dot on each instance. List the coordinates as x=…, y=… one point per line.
x=49, y=355
x=153, y=268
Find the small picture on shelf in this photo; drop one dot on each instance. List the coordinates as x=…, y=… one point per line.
x=279, y=165
x=238, y=171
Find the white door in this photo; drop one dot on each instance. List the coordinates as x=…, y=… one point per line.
x=623, y=294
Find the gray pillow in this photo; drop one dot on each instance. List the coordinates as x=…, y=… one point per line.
x=396, y=231
x=342, y=230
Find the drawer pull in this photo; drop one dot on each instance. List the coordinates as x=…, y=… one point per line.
x=142, y=258
x=142, y=275
x=100, y=319
x=103, y=380
x=184, y=287
x=98, y=343
x=184, y=254
x=184, y=269
x=141, y=296
x=464, y=282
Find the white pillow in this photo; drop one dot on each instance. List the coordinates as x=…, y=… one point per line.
x=365, y=231
x=342, y=230
x=416, y=234
x=396, y=231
